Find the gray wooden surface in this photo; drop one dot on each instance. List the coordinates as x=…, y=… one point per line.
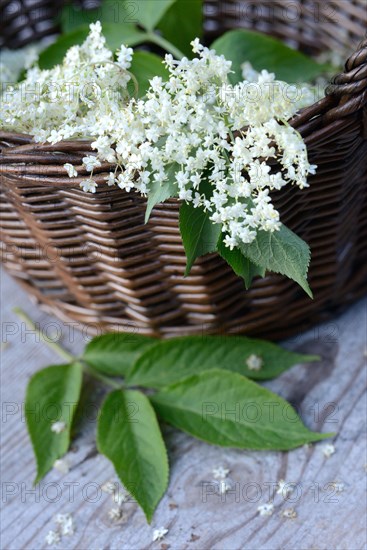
x=330, y=396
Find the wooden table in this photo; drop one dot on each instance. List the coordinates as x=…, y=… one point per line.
x=330, y=396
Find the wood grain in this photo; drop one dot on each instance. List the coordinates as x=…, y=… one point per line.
x=330, y=396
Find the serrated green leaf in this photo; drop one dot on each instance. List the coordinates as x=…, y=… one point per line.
x=144, y=67
x=172, y=360
x=281, y=252
x=150, y=12
x=182, y=23
x=160, y=192
x=128, y=434
x=265, y=52
x=115, y=353
x=199, y=234
x=115, y=36
x=227, y=409
x=241, y=265
x=52, y=395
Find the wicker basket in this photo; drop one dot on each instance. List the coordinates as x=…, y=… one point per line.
x=91, y=259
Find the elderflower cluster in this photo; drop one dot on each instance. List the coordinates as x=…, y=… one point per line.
x=78, y=98
x=218, y=146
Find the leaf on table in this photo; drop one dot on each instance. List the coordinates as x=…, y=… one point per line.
x=281, y=252
x=172, y=360
x=115, y=353
x=199, y=234
x=128, y=434
x=265, y=52
x=241, y=265
x=52, y=397
x=227, y=409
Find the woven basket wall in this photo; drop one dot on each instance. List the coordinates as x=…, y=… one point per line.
x=90, y=258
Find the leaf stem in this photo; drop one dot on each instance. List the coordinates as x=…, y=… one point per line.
x=32, y=326
x=165, y=44
x=98, y=376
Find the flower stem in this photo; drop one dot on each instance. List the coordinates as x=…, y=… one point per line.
x=32, y=326
x=165, y=44
x=63, y=353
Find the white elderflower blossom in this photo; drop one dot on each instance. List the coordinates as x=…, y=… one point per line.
x=220, y=472
x=62, y=465
x=65, y=524
x=265, y=509
x=159, y=534
x=219, y=146
x=72, y=173
x=52, y=538
x=254, y=362
x=284, y=488
x=289, y=513
x=328, y=450
x=58, y=427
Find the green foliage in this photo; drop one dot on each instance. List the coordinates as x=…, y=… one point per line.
x=128, y=434
x=241, y=265
x=199, y=234
x=159, y=192
x=114, y=353
x=144, y=67
x=227, y=409
x=281, y=252
x=265, y=52
x=182, y=23
x=169, y=361
x=52, y=396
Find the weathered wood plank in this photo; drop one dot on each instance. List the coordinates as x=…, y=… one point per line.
x=330, y=397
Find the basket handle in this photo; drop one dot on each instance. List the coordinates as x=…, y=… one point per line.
x=350, y=87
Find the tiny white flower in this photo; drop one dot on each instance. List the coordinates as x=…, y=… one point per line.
x=52, y=538
x=220, y=472
x=119, y=497
x=254, y=362
x=115, y=514
x=328, y=450
x=65, y=523
x=284, y=488
x=224, y=486
x=265, y=509
x=89, y=186
x=159, y=534
x=62, y=465
x=90, y=162
x=58, y=427
x=338, y=486
x=289, y=513
x=109, y=487
x=72, y=173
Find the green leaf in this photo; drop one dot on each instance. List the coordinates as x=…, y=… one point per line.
x=182, y=23
x=114, y=354
x=150, y=12
x=281, y=252
x=199, y=234
x=144, y=67
x=118, y=12
x=52, y=395
x=227, y=409
x=172, y=360
x=241, y=265
x=265, y=52
x=159, y=192
x=115, y=36
x=128, y=434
